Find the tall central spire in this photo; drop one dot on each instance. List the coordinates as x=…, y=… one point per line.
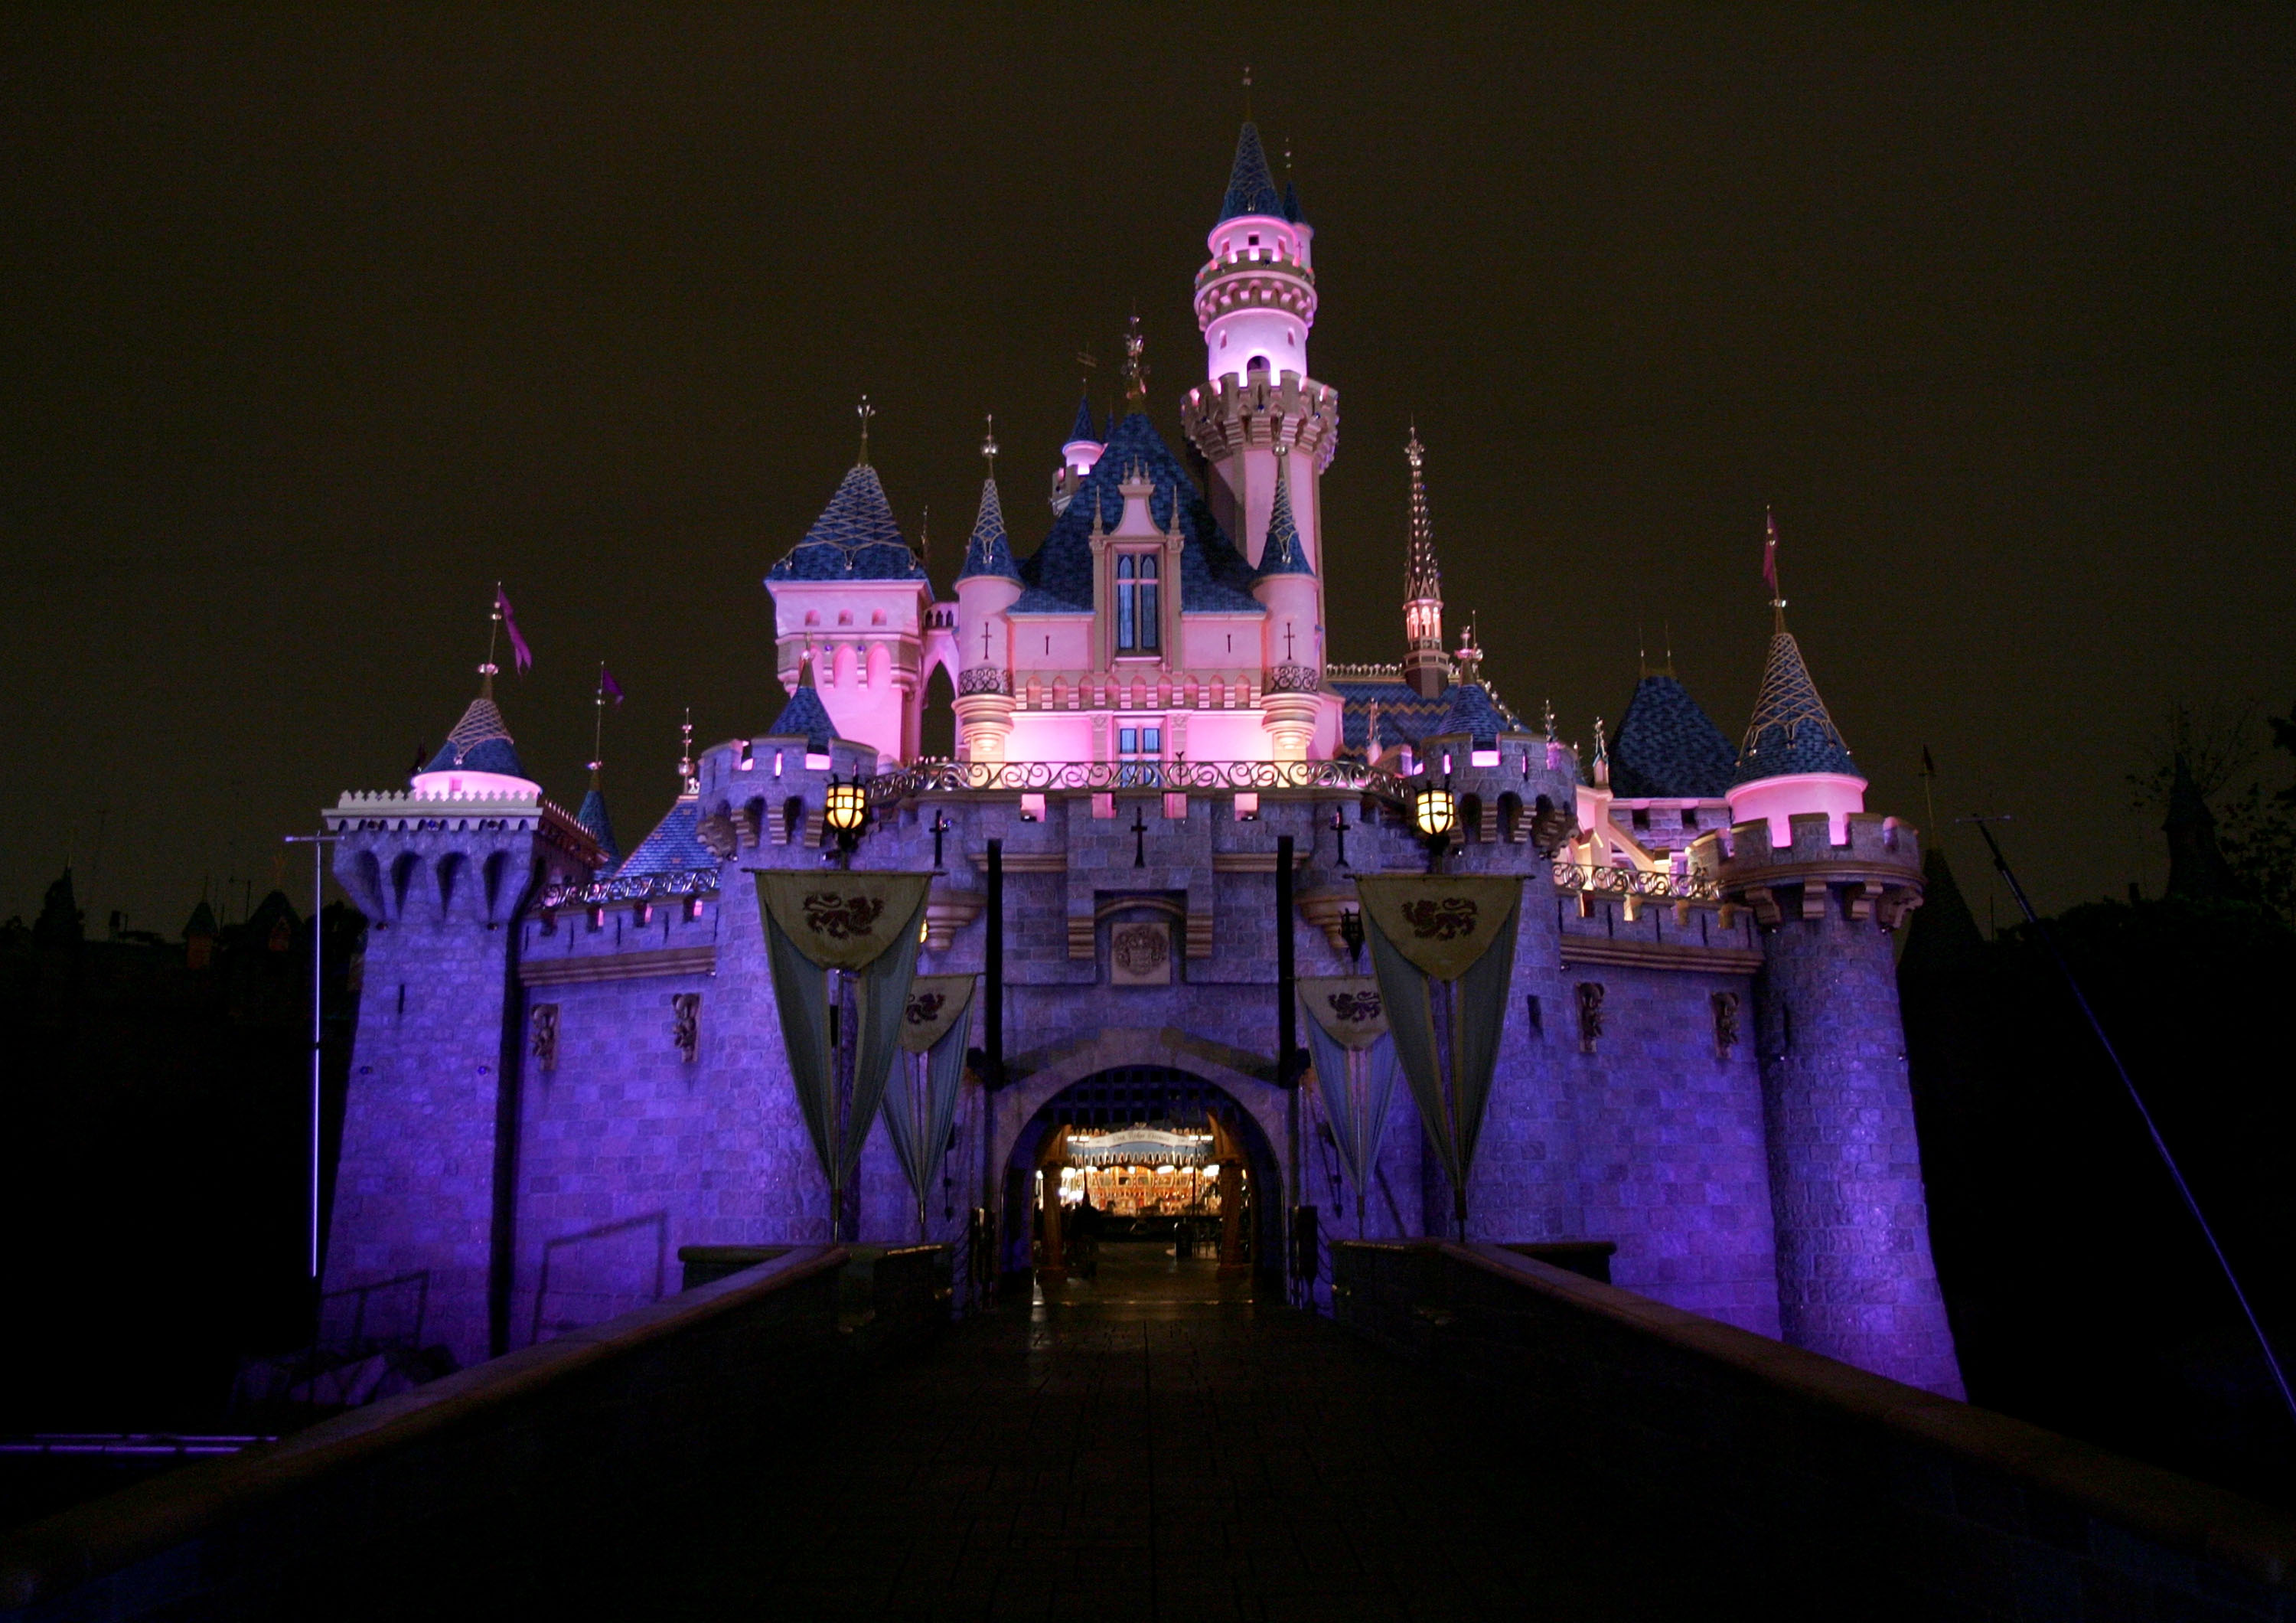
x=1425, y=666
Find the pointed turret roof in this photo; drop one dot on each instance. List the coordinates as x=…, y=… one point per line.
x=1471, y=710
x=1214, y=578
x=673, y=847
x=1422, y=576
x=202, y=921
x=1251, y=185
x=1083, y=429
x=592, y=817
x=1667, y=748
x=1791, y=732
x=989, y=552
x=479, y=743
x=1283, y=555
x=805, y=716
x=855, y=539
x=1290, y=201
x=2197, y=868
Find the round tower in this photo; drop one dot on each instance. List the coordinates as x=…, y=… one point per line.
x=1255, y=305
x=988, y=584
x=1291, y=636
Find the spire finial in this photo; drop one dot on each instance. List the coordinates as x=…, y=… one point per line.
x=1135, y=368
x=688, y=784
x=1550, y=720
x=489, y=671
x=924, y=537
x=988, y=445
x=1770, y=571
x=865, y=411
x=1247, y=93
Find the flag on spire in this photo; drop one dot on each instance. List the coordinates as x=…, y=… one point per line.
x=608, y=687
x=521, y=656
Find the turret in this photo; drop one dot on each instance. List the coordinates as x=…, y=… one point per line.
x=1855, y=1277
x=1077, y=456
x=852, y=597
x=1793, y=760
x=441, y=873
x=1254, y=304
x=1291, y=637
x=1425, y=666
x=986, y=586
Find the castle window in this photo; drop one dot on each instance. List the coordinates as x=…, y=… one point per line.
x=1138, y=623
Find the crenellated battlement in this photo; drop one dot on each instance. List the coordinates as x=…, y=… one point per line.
x=1876, y=872
x=1231, y=415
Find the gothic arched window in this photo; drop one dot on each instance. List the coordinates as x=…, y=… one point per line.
x=1138, y=622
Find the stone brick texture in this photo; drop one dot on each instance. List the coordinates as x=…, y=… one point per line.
x=1688, y=1158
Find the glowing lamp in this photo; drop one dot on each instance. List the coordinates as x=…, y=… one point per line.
x=1435, y=811
x=847, y=808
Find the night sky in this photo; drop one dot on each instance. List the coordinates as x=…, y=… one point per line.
x=317, y=326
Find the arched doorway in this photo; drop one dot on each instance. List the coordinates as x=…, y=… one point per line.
x=1127, y=1125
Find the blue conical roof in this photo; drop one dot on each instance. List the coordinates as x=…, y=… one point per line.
x=1472, y=710
x=1083, y=428
x=805, y=716
x=673, y=846
x=479, y=743
x=1283, y=555
x=1213, y=576
x=1791, y=732
x=1290, y=202
x=592, y=817
x=1667, y=748
x=1250, y=187
x=989, y=552
x=855, y=539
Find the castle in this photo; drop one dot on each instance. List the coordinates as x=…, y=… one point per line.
x=568, y=1061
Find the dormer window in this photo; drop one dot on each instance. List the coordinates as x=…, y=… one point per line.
x=1138, y=622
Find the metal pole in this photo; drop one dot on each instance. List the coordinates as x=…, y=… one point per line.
x=993, y=1027
x=318, y=843
x=2160, y=1144
x=1287, y=1034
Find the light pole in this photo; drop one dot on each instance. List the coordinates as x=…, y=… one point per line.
x=318, y=843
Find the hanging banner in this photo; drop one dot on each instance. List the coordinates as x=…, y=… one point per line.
x=842, y=920
x=921, y=1094
x=1444, y=950
x=1441, y=923
x=1355, y=1069
x=935, y=1002
x=1348, y=1007
x=863, y=924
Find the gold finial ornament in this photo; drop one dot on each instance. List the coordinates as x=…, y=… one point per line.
x=1135, y=368
x=1247, y=93
x=687, y=783
x=988, y=445
x=865, y=411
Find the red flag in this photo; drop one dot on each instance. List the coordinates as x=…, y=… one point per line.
x=1770, y=551
x=608, y=687
x=520, y=655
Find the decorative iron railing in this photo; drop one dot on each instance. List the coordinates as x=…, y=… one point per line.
x=1607, y=881
x=634, y=887
x=1171, y=777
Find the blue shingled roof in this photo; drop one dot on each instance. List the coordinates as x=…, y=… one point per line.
x=1791, y=732
x=1404, y=717
x=1290, y=201
x=592, y=817
x=1469, y=709
x=479, y=743
x=987, y=552
x=805, y=716
x=672, y=847
x=1214, y=578
x=855, y=539
x=1250, y=187
x=1083, y=429
x=1283, y=555
x=1666, y=747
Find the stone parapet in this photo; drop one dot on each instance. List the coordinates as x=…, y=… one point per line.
x=1228, y=416
x=1875, y=874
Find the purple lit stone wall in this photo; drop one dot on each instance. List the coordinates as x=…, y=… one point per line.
x=1855, y=1278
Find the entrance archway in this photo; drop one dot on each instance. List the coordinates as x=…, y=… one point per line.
x=1159, y=1099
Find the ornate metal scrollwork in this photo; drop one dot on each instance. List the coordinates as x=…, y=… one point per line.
x=983, y=678
x=1172, y=777
x=1604, y=881
x=1292, y=679
x=638, y=887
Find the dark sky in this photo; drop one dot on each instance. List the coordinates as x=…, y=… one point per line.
x=316, y=326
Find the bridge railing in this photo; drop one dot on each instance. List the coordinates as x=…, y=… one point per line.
x=1854, y=1495
x=1169, y=777
x=498, y=1453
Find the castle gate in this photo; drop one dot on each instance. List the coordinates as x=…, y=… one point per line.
x=1180, y=1179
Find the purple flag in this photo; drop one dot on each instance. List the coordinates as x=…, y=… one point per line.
x=520, y=655
x=608, y=687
